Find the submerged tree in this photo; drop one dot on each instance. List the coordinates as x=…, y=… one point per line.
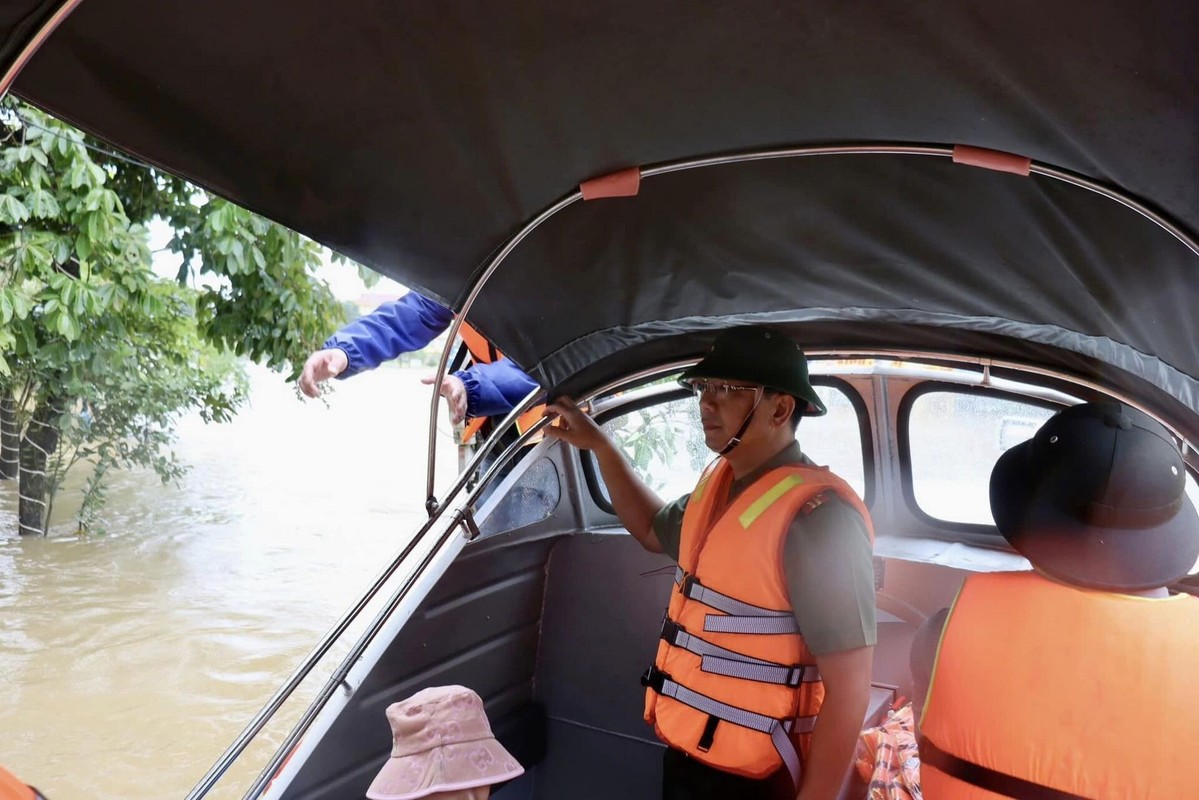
x=98, y=355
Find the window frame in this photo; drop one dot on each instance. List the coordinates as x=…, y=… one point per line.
x=590, y=466
x=903, y=441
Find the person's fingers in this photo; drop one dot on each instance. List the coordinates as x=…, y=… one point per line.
x=428, y=380
x=307, y=384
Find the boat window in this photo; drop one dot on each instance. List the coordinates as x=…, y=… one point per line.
x=954, y=437
x=532, y=499
x=665, y=443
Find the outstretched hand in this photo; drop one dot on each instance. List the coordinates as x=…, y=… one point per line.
x=321, y=366
x=454, y=392
x=573, y=426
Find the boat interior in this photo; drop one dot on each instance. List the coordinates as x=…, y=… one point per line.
x=550, y=611
x=969, y=213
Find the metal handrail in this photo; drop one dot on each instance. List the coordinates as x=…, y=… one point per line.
x=255, y=726
x=397, y=597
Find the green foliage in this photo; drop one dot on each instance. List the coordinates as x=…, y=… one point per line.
x=87, y=327
x=649, y=438
x=266, y=306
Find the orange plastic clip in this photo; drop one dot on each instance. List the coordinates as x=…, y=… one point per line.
x=623, y=183
x=991, y=159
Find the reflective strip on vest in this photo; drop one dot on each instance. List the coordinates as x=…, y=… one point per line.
x=768, y=499
x=762, y=626
x=703, y=483
x=762, y=673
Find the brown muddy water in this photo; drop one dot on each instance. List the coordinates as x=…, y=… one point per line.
x=129, y=661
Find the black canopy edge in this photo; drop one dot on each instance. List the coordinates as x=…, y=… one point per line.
x=583, y=364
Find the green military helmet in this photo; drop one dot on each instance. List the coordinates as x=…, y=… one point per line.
x=754, y=354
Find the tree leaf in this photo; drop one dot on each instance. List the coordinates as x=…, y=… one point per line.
x=12, y=210
x=42, y=204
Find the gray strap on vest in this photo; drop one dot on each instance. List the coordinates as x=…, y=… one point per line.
x=694, y=590
x=715, y=623
x=722, y=661
x=775, y=729
x=762, y=673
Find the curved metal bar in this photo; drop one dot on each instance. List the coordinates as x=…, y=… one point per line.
x=1123, y=198
x=938, y=151
x=34, y=44
x=799, y=152
x=476, y=287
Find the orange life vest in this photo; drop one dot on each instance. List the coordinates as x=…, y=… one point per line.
x=733, y=684
x=11, y=788
x=484, y=352
x=1072, y=693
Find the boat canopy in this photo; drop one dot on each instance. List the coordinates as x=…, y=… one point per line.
x=419, y=138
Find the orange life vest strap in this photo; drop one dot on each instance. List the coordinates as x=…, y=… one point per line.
x=986, y=778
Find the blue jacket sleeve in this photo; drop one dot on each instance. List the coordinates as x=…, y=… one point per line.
x=494, y=389
x=400, y=326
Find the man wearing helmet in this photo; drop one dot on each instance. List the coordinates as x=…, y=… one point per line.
x=763, y=673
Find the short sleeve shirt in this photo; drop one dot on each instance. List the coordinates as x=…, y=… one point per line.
x=828, y=563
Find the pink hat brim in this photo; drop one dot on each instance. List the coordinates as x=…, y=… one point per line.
x=448, y=768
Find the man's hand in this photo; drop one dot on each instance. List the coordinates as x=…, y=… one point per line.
x=573, y=426
x=321, y=366
x=454, y=392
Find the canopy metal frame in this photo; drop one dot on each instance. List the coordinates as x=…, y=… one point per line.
x=888, y=149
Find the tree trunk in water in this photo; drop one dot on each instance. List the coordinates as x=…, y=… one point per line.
x=10, y=436
x=39, y=443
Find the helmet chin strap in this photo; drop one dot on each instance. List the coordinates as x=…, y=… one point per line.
x=736, y=440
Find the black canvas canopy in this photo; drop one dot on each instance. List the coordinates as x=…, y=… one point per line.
x=418, y=137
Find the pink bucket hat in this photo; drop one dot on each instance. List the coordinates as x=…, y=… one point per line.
x=441, y=742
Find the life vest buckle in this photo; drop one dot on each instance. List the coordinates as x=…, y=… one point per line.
x=795, y=674
x=671, y=631
x=654, y=678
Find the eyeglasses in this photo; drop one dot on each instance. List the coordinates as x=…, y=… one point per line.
x=719, y=389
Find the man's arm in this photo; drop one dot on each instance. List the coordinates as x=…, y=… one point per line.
x=846, y=676
x=494, y=389
x=828, y=561
x=394, y=328
x=635, y=503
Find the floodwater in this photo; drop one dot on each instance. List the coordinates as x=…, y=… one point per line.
x=130, y=660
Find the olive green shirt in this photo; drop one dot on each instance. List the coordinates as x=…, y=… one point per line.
x=828, y=563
